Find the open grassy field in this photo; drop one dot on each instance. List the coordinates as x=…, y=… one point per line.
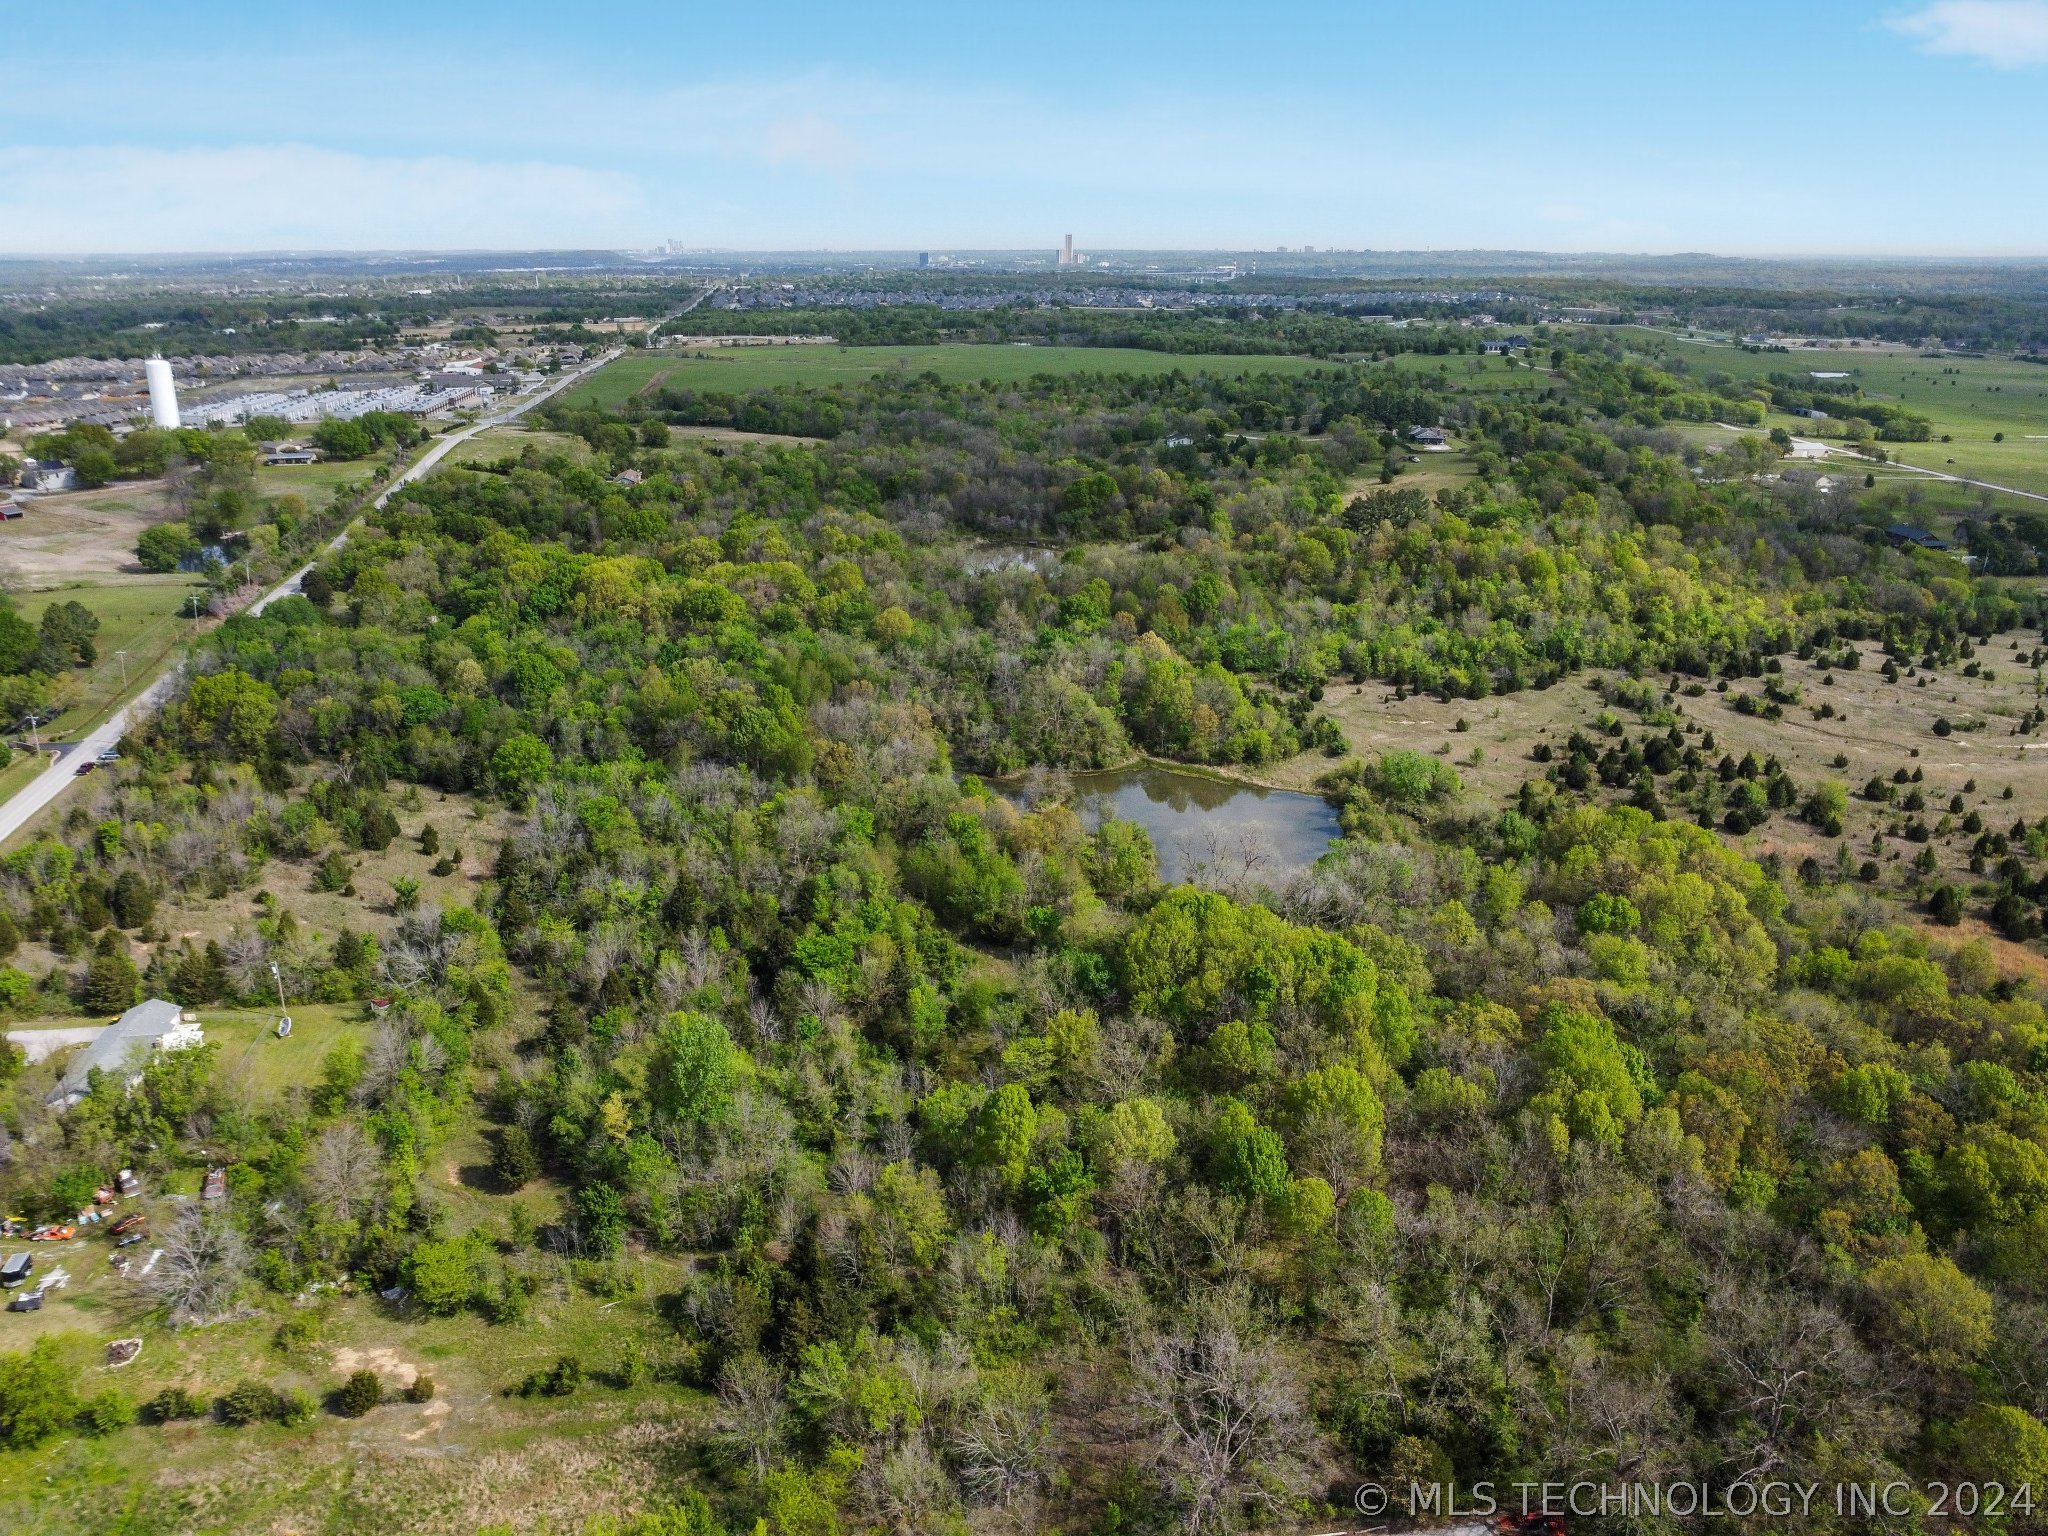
x=84, y=534
x=495, y=443
x=145, y=616
x=741, y=368
x=1878, y=728
x=317, y=483
x=1970, y=399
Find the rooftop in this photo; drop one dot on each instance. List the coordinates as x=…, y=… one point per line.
x=146, y=1027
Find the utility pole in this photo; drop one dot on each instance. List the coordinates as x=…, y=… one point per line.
x=284, y=1019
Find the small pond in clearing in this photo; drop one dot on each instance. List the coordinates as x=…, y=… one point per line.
x=1197, y=821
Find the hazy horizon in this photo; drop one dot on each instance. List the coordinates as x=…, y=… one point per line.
x=1829, y=128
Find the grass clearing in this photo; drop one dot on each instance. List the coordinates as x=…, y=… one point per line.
x=317, y=483
x=82, y=535
x=743, y=368
x=1971, y=399
x=510, y=441
x=1878, y=728
x=265, y=1066
x=148, y=617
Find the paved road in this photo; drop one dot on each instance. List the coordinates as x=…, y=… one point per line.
x=47, y=785
x=442, y=447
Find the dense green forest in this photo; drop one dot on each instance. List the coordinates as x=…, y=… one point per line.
x=1511, y=1142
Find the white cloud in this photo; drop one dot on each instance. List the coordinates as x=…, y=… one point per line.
x=119, y=198
x=2008, y=34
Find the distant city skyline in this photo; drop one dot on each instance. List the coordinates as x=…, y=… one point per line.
x=1822, y=127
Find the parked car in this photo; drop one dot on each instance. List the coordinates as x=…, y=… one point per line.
x=31, y=1301
x=56, y=1234
x=132, y=1239
x=129, y=1222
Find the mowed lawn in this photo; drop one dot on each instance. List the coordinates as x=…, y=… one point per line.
x=146, y=616
x=316, y=483
x=741, y=368
x=252, y=1055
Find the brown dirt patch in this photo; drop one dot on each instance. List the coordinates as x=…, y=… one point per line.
x=84, y=533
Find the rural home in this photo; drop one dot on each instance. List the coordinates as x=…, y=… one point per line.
x=47, y=475
x=126, y=1043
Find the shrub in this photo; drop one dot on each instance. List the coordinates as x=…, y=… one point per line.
x=35, y=1396
x=443, y=1276
x=249, y=1402
x=359, y=1394
x=1409, y=778
x=420, y=1389
x=295, y=1407
x=173, y=1403
x=516, y=1164
x=105, y=1412
x=558, y=1380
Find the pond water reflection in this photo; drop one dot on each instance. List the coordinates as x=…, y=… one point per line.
x=1198, y=822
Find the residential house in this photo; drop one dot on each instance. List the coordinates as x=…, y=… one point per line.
x=125, y=1044
x=1903, y=535
x=47, y=475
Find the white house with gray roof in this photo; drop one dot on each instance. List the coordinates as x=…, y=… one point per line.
x=126, y=1045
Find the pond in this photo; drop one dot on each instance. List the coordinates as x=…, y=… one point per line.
x=1198, y=822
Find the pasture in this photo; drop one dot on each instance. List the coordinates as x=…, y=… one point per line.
x=1878, y=728
x=1972, y=400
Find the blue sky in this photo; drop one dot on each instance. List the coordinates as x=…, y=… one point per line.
x=1798, y=126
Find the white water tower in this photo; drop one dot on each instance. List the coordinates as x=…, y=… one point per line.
x=163, y=394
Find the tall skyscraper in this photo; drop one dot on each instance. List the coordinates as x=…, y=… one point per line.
x=1067, y=252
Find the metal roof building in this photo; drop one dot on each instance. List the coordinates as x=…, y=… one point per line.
x=126, y=1043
